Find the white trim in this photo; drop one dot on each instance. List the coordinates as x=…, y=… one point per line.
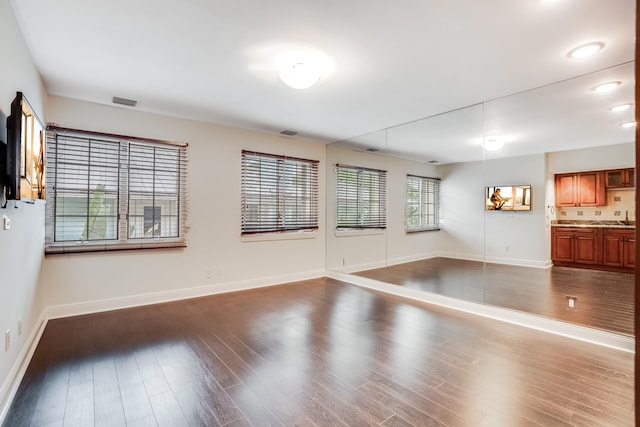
x=412, y=258
x=68, y=310
x=569, y=330
x=359, y=232
x=497, y=260
x=291, y=235
x=14, y=377
x=360, y=267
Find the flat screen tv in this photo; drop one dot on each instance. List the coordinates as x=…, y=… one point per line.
x=24, y=152
x=508, y=198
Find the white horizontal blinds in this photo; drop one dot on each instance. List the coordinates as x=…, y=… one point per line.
x=107, y=192
x=423, y=200
x=83, y=188
x=362, y=197
x=154, y=191
x=279, y=193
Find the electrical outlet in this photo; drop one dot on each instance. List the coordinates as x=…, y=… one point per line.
x=19, y=327
x=7, y=340
x=6, y=222
x=572, y=303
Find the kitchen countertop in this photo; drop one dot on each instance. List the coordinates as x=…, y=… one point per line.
x=594, y=223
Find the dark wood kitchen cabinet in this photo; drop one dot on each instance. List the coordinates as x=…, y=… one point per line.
x=619, y=248
x=580, y=189
x=599, y=248
x=620, y=178
x=575, y=245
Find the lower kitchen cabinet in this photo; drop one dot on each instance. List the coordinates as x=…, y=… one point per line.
x=594, y=247
x=619, y=247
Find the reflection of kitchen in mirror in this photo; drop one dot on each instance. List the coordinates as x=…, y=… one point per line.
x=573, y=237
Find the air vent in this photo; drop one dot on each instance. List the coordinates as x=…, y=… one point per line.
x=288, y=132
x=124, y=101
x=433, y=162
x=372, y=150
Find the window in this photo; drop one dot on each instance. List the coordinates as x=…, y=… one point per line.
x=423, y=200
x=109, y=192
x=362, y=198
x=279, y=194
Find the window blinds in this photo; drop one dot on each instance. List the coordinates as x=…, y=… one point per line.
x=362, y=197
x=107, y=192
x=279, y=194
x=423, y=203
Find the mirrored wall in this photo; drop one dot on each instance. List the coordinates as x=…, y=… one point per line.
x=498, y=250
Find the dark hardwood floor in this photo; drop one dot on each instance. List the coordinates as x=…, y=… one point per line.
x=315, y=353
x=605, y=299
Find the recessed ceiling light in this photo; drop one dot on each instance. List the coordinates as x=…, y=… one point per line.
x=622, y=107
x=628, y=125
x=606, y=87
x=586, y=50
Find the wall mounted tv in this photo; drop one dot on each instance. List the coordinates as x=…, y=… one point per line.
x=25, y=151
x=508, y=198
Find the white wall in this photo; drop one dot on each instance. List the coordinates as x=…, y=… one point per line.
x=216, y=256
x=470, y=232
x=592, y=159
x=21, y=246
x=353, y=251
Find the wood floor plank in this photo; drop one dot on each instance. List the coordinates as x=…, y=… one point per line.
x=315, y=353
x=605, y=299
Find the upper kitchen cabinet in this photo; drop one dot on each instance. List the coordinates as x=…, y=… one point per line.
x=580, y=189
x=620, y=178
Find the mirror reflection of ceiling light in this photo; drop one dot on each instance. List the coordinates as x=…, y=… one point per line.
x=628, y=125
x=618, y=108
x=493, y=143
x=586, y=50
x=606, y=87
x=302, y=70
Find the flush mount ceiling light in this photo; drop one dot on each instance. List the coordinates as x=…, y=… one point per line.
x=493, y=143
x=622, y=107
x=606, y=87
x=302, y=70
x=586, y=50
x=628, y=124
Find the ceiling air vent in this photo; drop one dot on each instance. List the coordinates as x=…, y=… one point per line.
x=372, y=150
x=433, y=162
x=124, y=101
x=288, y=132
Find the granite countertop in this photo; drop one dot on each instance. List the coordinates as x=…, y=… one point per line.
x=593, y=223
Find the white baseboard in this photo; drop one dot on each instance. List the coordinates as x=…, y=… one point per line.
x=412, y=258
x=569, y=330
x=518, y=262
x=12, y=382
x=89, y=307
x=360, y=267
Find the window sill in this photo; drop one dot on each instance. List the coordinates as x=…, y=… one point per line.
x=266, y=237
x=365, y=232
x=420, y=230
x=73, y=247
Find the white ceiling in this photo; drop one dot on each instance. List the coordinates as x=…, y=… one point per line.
x=396, y=62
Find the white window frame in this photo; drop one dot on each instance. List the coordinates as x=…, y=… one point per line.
x=131, y=173
x=422, y=203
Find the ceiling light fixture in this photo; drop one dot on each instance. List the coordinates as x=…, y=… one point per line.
x=618, y=108
x=302, y=70
x=628, y=125
x=586, y=50
x=493, y=144
x=606, y=87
